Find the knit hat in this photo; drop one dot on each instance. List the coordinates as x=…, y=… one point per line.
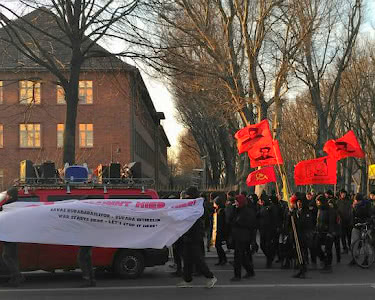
x=13, y=193
x=242, y=201
x=192, y=192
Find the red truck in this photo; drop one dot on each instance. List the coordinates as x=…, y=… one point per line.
x=127, y=263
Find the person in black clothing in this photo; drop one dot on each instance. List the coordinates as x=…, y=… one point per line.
x=305, y=232
x=361, y=214
x=325, y=226
x=332, y=201
x=221, y=227
x=209, y=218
x=84, y=258
x=243, y=223
x=192, y=252
x=344, y=209
x=229, y=211
x=10, y=249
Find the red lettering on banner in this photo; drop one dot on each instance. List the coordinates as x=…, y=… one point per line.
x=150, y=205
x=189, y=203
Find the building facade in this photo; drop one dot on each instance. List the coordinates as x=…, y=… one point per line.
x=116, y=119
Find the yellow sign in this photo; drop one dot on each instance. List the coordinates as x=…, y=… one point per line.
x=371, y=172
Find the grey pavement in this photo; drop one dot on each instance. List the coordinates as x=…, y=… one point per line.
x=157, y=283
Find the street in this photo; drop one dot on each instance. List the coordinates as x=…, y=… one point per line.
x=345, y=282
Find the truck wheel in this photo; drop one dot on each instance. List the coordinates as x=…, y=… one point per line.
x=129, y=264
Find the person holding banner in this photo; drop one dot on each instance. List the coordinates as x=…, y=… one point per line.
x=10, y=249
x=85, y=263
x=192, y=252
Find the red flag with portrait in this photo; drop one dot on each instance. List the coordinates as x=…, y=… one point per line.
x=251, y=135
x=265, y=154
x=316, y=171
x=261, y=176
x=346, y=146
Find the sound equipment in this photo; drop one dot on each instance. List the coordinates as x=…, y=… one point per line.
x=135, y=169
x=115, y=172
x=27, y=172
x=103, y=173
x=76, y=174
x=48, y=172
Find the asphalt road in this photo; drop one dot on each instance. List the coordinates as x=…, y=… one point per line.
x=157, y=283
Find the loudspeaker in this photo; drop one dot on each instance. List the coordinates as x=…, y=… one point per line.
x=27, y=172
x=135, y=169
x=103, y=173
x=48, y=171
x=114, y=172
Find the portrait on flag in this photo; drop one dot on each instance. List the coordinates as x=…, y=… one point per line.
x=346, y=146
x=316, y=171
x=265, y=154
x=251, y=135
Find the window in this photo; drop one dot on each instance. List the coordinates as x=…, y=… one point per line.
x=1, y=136
x=1, y=92
x=60, y=135
x=29, y=135
x=31, y=198
x=85, y=92
x=60, y=93
x=86, y=135
x=29, y=92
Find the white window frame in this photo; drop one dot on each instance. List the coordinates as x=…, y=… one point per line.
x=32, y=134
x=86, y=136
x=60, y=95
x=60, y=135
x=83, y=95
x=28, y=89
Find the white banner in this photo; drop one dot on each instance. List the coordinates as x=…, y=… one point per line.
x=117, y=223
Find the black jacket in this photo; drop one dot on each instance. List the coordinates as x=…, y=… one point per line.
x=326, y=221
x=243, y=224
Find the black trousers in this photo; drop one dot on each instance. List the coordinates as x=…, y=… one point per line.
x=323, y=240
x=346, y=232
x=242, y=258
x=10, y=258
x=178, y=248
x=220, y=251
x=193, y=256
x=85, y=262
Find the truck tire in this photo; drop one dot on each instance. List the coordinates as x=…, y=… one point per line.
x=129, y=264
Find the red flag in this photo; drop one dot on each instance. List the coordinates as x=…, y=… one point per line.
x=316, y=171
x=250, y=135
x=346, y=146
x=264, y=154
x=261, y=176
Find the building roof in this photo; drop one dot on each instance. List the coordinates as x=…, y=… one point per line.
x=45, y=27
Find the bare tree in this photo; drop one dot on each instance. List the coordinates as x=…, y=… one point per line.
x=61, y=36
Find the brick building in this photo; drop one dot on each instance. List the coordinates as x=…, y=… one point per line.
x=116, y=120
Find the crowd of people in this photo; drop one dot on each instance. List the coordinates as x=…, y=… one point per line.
x=319, y=222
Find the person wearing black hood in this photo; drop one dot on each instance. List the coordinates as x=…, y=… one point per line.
x=305, y=232
x=344, y=209
x=10, y=249
x=243, y=224
x=221, y=227
x=192, y=252
x=267, y=228
x=325, y=225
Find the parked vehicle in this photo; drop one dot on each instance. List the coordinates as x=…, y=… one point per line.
x=127, y=263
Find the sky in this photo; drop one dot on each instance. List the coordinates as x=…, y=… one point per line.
x=163, y=100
